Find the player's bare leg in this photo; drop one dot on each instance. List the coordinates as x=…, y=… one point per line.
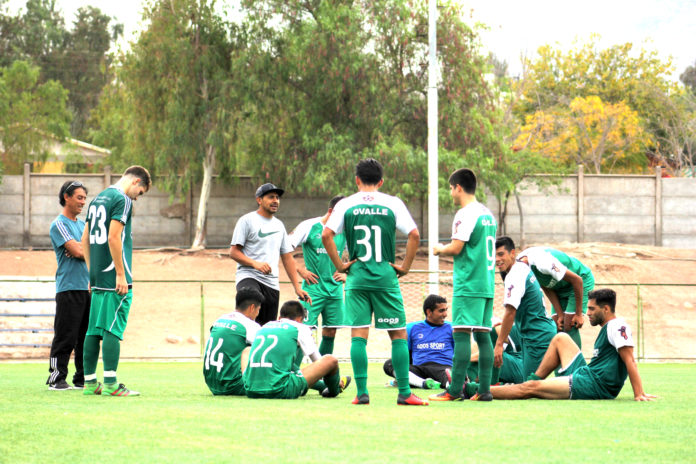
x=561, y=352
x=557, y=388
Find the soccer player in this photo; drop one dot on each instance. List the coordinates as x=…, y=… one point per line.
x=108, y=247
x=512, y=370
x=431, y=346
x=473, y=248
x=602, y=378
x=370, y=219
x=566, y=283
x=524, y=305
x=276, y=353
x=227, y=348
x=259, y=241
x=72, y=288
x=321, y=280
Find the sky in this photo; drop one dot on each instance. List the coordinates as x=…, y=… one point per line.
x=520, y=27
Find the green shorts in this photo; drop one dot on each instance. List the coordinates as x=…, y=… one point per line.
x=531, y=357
x=292, y=386
x=511, y=370
x=330, y=309
x=233, y=389
x=472, y=312
x=567, y=300
x=108, y=312
x=388, y=307
x=583, y=386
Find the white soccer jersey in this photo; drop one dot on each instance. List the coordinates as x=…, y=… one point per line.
x=545, y=262
x=304, y=338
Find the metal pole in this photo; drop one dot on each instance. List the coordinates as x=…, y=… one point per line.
x=433, y=210
x=201, y=343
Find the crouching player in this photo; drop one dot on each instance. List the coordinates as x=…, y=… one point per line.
x=602, y=378
x=276, y=353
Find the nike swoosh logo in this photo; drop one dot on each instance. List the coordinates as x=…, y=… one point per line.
x=266, y=234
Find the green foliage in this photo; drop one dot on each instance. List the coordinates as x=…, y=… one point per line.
x=30, y=113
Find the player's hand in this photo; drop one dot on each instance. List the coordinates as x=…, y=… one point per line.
x=498, y=355
x=645, y=397
x=67, y=254
x=344, y=267
x=262, y=267
x=308, y=276
x=577, y=321
x=400, y=271
x=559, y=322
x=339, y=277
x=121, y=284
x=304, y=296
x=436, y=250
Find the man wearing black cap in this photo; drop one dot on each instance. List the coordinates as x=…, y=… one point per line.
x=258, y=241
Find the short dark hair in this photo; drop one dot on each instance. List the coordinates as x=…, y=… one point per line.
x=505, y=242
x=68, y=189
x=141, y=173
x=247, y=296
x=466, y=178
x=431, y=302
x=334, y=201
x=604, y=296
x=292, y=309
x=369, y=171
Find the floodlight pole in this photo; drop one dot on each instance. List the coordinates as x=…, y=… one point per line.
x=433, y=210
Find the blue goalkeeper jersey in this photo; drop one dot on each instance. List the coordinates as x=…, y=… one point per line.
x=430, y=343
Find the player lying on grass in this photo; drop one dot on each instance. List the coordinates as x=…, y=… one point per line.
x=602, y=378
x=276, y=353
x=431, y=346
x=227, y=348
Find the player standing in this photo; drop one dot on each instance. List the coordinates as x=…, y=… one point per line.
x=473, y=248
x=370, y=219
x=320, y=279
x=108, y=248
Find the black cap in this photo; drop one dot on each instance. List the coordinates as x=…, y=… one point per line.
x=268, y=188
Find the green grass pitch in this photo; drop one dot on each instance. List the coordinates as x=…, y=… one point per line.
x=177, y=420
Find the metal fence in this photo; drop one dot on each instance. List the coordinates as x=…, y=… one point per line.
x=169, y=319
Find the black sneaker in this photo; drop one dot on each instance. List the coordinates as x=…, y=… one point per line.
x=78, y=385
x=59, y=385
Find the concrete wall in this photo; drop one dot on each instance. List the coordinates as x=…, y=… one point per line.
x=616, y=208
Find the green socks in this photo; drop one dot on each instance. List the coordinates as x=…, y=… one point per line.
x=400, y=361
x=358, y=358
x=483, y=340
x=333, y=381
x=111, y=351
x=326, y=346
x=90, y=357
x=460, y=362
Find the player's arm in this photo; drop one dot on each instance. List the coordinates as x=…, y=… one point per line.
x=626, y=353
x=291, y=270
x=452, y=249
x=237, y=255
x=84, y=241
x=327, y=239
x=73, y=249
x=505, y=327
x=576, y=281
x=411, y=249
x=556, y=303
x=116, y=250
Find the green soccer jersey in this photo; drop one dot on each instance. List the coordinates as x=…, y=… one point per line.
x=111, y=204
x=308, y=234
x=222, y=360
x=369, y=221
x=550, y=265
x=277, y=352
x=474, y=266
x=522, y=292
x=606, y=365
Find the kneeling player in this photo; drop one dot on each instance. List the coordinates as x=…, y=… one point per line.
x=276, y=354
x=227, y=349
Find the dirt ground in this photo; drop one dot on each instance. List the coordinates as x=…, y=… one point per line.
x=177, y=295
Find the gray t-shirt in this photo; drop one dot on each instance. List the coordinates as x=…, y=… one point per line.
x=264, y=240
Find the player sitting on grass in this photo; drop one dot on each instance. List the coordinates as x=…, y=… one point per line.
x=276, y=354
x=431, y=346
x=512, y=370
x=602, y=378
x=227, y=348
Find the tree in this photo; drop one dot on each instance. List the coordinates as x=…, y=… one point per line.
x=676, y=147
x=688, y=77
x=30, y=112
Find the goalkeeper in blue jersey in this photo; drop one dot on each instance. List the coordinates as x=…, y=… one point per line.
x=431, y=346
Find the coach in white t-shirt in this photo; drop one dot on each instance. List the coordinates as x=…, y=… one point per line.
x=258, y=242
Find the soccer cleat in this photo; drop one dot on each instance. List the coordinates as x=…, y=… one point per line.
x=60, y=385
x=488, y=396
x=119, y=390
x=412, y=400
x=430, y=384
x=92, y=388
x=446, y=396
x=362, y=399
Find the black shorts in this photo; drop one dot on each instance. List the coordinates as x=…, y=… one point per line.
x=269, y=308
